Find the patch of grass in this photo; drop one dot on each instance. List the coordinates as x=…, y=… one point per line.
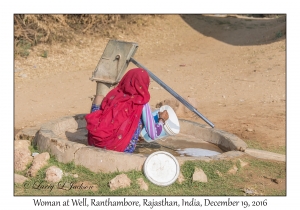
x=275, y=192
x=279, y=150
x=279, y=34
x=216, y=185
x=253, y=144
x=187, y=171
x=22, y=48
x=33, y=149
x=257, y=145
x=220, y=185
x=269, y=168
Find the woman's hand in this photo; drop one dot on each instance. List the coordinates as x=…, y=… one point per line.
x=164, y=116
x=98, y=99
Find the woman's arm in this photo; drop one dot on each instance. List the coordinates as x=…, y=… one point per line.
x=97, y=103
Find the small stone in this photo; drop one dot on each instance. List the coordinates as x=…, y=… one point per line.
x=75, y=175
x=142, y=184
x=249, y=130
x=53, y=174
x=19, y=179
x=38, y=162
x=120, y=181
x=233, y=170
x=180, y=178
x=18, y=69
x=249, y=191
x=22, y=155
x=243, y=164
x=23, y=75
x=199, y=175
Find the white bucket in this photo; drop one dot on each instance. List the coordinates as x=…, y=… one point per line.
x=170, y=128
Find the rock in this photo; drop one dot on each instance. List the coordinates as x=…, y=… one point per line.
x=142, y=184
x=38, y=162
x=243, y=164
x=233, y=170
x=27, y=133
x=108, y=160
x=249, y=129
x=75, y=175
x=120, y=181
x=250, y=191
x=19, y=179
x=21, y=144
x=23, y=75
x=199, y=175
x=53, y=174
x=22, y=155
x=180, y=178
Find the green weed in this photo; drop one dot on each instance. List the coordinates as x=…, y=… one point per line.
x=22, y=48
x=44, y=54
x=279, y=34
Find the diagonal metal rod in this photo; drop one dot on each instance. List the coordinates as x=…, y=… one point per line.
x=172, y=92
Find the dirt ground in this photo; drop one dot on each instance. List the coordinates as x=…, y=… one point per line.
x=234, y=66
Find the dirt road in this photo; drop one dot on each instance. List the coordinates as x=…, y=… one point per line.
x=234, y=66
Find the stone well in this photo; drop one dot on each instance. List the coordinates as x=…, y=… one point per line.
x=65, y=138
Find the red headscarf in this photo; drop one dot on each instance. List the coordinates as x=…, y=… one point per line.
x=113, y=125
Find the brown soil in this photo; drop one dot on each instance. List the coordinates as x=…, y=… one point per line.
x=234, y=66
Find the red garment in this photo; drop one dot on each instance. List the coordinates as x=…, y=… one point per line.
x=113, y=125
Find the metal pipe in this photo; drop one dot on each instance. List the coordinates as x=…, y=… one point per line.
x=172, y=92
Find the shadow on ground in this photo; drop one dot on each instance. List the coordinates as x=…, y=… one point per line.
x=239, y=30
